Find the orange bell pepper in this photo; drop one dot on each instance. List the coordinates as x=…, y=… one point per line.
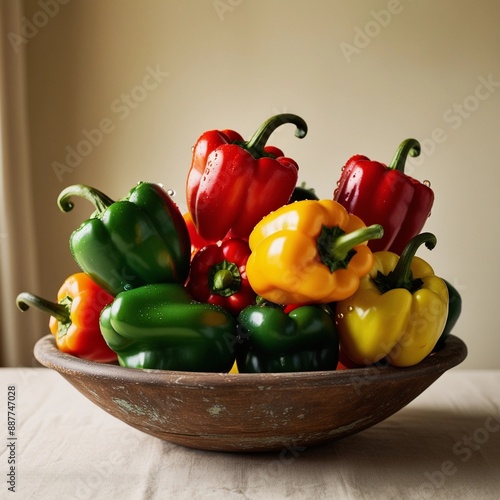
x=310, y=251
x=74, y=319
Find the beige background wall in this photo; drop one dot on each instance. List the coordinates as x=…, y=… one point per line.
x=364, y=75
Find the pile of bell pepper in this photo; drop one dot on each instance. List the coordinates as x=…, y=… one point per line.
x=259, y=275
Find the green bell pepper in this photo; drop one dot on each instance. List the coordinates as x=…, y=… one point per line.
x=454, y=312
x=272, y=340
x=140, y=239
x=160, y=326
x=302, y=192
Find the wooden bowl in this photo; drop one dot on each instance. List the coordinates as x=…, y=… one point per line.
x=250, y=412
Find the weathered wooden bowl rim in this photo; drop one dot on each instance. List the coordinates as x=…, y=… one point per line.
x=47, y=353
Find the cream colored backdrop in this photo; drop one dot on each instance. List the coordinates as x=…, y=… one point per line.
x=119, y=91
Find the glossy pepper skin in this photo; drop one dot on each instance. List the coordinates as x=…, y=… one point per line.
x=128, y=243
x=454, y=313
x=218, y=275
x=399, y=310
x=305, y=339
x=385, y=195
x=160, y=326
x=233, y=183
x=302, y=192
x=74, y=319
x=197, y=242
x=310, y=251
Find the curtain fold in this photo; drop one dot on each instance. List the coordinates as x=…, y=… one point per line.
x=18, y=261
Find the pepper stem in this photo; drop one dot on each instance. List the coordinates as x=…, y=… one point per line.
x=24, y=300
x=255, y=145
x=401, y=276
x=407, y=147
x=345, y=243
x=100, y=201
x=336, y=247
x=224, y=278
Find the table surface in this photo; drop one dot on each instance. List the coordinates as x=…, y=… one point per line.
x=445, y=444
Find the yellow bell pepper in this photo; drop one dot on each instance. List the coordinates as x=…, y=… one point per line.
x=399, y=310
x=309, y=251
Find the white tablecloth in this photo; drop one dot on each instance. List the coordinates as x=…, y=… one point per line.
x=445, y=444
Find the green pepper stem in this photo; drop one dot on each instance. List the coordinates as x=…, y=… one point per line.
x=342, y=245
x=336, y=247
x=24, y=300
x=222, y=279
x=407, y=147
x=255, y=145
x=100, y=201
x=401, y=275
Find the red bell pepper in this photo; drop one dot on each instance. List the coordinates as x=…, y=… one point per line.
x=218, y=275
x=380, y=194
x=232, y=184
x=197, y=242
x=74, y=319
